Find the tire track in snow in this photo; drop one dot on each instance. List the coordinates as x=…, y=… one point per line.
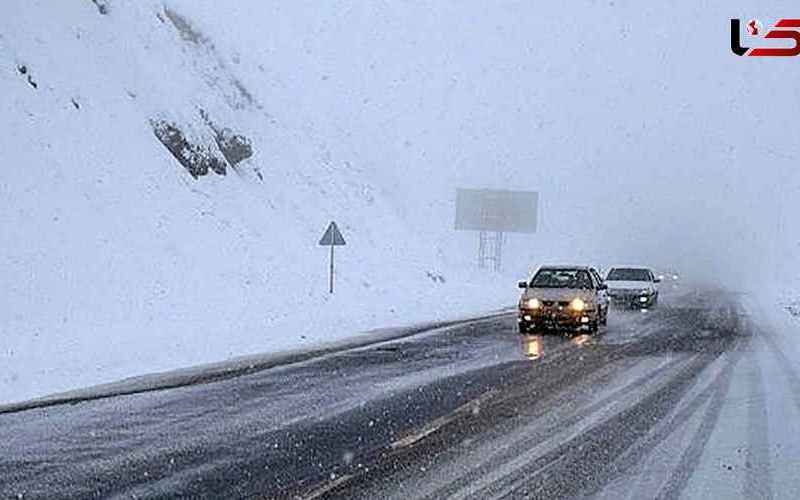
x=511, y=458
x=758, y=478
x=599, y=448
x=615, y=445
x=785, y=365
x=717, y=392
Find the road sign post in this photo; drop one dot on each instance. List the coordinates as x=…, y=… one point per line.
x=333, y=238
x=330, y=273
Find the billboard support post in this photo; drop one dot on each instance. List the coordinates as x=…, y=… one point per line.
x=490, y=249
x=493, y=213
x=498, y=251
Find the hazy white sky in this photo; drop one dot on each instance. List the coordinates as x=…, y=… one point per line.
x=636, y=122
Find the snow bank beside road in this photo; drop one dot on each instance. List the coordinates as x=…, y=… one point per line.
x=40, y=365
x=236, y=367
x=782, y=310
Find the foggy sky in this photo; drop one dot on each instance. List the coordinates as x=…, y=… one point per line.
x=647, y=138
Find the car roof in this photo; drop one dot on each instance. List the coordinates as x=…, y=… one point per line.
x=630, y=267
x=566, y=267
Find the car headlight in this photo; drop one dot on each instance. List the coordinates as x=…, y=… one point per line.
x=577, y=305
x=647, y=291
x=534, y=304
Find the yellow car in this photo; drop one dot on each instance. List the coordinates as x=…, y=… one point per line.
x=563, y=297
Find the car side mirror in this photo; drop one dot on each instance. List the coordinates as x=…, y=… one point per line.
x=657, y=280
x=522, y=284
x=602, y=286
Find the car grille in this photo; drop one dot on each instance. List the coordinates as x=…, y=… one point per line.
x=624, y=293
x=552, y=303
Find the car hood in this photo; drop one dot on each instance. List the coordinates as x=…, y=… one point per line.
x=557, y=294
x=630, y=285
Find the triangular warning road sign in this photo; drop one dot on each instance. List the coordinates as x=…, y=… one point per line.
x=332, y=236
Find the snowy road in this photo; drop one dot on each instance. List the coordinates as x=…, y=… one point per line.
x=693, y=399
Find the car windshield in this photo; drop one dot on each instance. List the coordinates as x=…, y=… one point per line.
x=561, y=278
x=629, y=275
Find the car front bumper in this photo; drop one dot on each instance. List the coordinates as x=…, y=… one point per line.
x=556, y=319
x=628, y=299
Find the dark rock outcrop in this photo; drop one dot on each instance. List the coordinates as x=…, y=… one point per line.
x=234, y=147
x=102, y=6
x=197, y=159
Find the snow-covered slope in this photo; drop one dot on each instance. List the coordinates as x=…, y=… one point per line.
x=116, y=258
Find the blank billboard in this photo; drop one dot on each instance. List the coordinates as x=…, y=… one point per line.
x=496, y=210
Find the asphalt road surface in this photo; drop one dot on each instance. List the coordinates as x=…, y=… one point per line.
x=468, y=411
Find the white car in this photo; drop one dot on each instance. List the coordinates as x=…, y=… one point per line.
x=632, y=286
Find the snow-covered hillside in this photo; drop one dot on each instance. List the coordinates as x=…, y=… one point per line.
x=162, y=203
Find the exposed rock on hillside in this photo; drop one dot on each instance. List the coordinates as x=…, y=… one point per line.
x=197, y=159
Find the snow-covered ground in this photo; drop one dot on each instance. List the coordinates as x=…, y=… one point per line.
x=781, y=310
x=115, y=260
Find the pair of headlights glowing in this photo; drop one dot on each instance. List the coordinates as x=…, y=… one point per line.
x=577, y=304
